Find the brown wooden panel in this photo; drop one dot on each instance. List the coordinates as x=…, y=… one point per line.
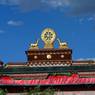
x=56, y=54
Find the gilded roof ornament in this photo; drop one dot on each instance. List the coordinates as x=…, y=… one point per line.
x=34, y=46
x=63, y=45
x=48, y=36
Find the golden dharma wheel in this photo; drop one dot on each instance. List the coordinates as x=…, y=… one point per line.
x=48, y=36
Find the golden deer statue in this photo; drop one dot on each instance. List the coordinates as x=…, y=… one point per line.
x=34, y=46
x=62, y=44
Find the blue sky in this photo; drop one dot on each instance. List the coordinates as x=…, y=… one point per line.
x=22, y=22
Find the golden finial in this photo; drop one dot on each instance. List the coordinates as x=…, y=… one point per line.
x=62, y=44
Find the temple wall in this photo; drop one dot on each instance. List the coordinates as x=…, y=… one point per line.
x=63, y=93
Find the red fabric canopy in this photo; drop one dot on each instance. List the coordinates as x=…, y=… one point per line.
x=52, y=80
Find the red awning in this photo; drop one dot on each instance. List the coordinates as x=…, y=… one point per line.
x=52, y=80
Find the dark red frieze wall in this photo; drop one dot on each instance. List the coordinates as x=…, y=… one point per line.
x=51, y=80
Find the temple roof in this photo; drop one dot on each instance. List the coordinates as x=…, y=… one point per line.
x=1, y=63
x=16, y=63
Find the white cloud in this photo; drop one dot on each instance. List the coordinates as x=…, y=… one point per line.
x=89, y=19
x=75, y=7
x=36, y=4
x=15, y=23
x=9, y=2
x=2, y=31
x=14, y=2
x=24, y=5
x=56, y=3
x=3, y=2
x=81, y=59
